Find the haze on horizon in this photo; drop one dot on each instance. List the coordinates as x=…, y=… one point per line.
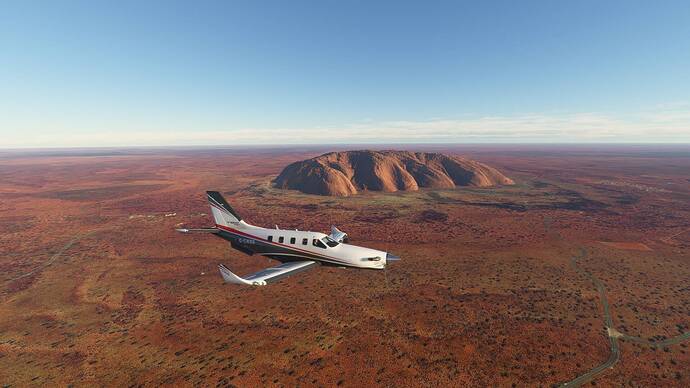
x=81, y=74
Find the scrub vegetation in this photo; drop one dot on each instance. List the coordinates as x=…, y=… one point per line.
x=96, y=288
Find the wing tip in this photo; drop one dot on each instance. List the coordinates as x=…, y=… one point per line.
x=230, y=277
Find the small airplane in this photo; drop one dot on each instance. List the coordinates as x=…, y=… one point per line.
x=296, y=250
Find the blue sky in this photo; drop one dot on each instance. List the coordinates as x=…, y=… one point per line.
x=122, y=73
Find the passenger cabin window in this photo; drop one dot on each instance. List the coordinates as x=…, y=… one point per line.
x=305, y=241
x=270, y=238
x=318, y=243
x=292, y=240
x=281, y=239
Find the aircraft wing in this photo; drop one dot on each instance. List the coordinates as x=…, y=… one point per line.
x=269, y=275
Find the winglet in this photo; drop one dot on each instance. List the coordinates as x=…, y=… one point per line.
x=230, y=277
x=338, y=235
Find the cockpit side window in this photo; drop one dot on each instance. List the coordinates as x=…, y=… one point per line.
x=318, y=243
x=270, y=238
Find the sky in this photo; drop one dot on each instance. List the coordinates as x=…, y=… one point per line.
x=150, y=73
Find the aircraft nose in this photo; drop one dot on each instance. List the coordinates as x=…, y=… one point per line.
x=391, y=257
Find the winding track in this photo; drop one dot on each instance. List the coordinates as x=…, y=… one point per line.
x=615, y=349
x=613, y=334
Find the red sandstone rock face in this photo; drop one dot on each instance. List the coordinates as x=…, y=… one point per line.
x=347, y=173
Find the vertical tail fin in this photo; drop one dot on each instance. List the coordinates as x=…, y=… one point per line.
x=223, y=213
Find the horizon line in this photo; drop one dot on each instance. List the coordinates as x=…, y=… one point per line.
x=292, y=145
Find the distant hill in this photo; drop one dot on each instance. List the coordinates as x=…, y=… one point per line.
x=348, y=173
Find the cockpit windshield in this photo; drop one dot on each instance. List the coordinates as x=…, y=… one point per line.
x=330, y=242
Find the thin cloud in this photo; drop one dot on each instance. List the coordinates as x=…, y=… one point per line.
x=663, y=124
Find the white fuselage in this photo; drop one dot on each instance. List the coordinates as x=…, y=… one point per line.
x=289, y=245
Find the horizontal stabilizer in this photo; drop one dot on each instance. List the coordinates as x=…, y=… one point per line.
x=268, y=275
x=199, y=230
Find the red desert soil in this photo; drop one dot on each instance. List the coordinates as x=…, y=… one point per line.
x=347, y=173
x=634, y=246
x=97, y=288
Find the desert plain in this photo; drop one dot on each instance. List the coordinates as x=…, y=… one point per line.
x=581, y=270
